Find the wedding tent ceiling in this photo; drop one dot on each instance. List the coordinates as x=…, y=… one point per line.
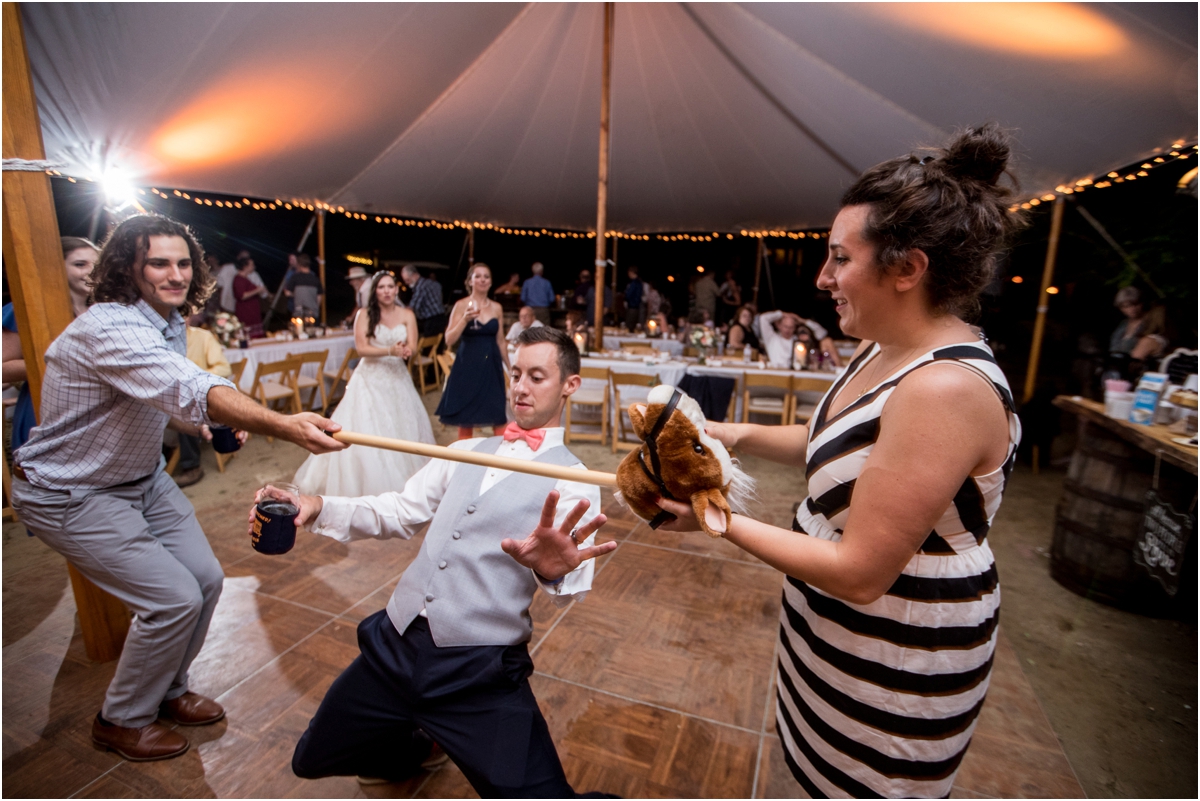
x=725, y=116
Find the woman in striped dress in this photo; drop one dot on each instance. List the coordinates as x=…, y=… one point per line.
x=891, y=600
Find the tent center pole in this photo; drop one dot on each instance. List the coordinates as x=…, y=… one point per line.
x=602, y=182
x=1039, y=326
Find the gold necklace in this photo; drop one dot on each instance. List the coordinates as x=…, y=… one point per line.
x=876, y=372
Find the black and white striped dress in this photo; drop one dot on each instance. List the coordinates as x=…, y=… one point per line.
x=881, y=699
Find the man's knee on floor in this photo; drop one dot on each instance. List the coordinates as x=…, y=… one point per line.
x=304, y=762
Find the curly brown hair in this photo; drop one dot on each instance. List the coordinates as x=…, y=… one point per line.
x=374, y=313
x=949, y=203
x=113, y=279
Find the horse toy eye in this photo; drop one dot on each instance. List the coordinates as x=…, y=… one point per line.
x=698, y=448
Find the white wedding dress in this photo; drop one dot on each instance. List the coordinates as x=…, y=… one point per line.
x=380, y=399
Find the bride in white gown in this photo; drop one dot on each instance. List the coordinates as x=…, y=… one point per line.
x=380, y=399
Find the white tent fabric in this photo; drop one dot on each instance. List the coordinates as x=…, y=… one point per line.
x=725, y=116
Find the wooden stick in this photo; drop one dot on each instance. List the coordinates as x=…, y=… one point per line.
x=485, y=459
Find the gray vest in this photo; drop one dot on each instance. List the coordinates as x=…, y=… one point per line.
x=474, y=593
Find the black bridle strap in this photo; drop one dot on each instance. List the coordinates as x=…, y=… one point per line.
x=652, y=446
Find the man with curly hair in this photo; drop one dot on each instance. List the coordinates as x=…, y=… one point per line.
x=90, y=481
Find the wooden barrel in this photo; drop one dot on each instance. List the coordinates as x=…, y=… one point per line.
x=1098, y=520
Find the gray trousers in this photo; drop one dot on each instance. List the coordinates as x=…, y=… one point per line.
x=140, y=542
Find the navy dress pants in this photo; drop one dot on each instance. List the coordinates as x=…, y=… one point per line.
x=474, y=701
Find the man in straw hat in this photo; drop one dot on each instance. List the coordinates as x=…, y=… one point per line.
x=447, y=661
x=360, y=282
x=90, y=481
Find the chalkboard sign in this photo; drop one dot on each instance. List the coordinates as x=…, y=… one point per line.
x=1162, y=541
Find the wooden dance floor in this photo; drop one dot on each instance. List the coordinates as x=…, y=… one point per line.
x=658, y=685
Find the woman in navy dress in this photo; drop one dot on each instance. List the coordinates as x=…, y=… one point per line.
x=474, y=394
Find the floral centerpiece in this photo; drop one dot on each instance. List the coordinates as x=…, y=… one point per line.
x=227, y=328
x=702, y=339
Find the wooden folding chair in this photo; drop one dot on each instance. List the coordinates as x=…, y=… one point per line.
x=239, y=368
x=806, y=394
x=281, y=391
x=445, y=361
x=338, y=379
x=641, y=384
x=772, y=403
x=8, y=511
x=590, y=397
x=425, y=356
x=315, y=384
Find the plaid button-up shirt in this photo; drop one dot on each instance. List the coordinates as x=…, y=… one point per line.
x=113, y=378
x=427, y=299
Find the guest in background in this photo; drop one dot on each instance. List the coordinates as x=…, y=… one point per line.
x=225, y=276
x=634, y=297
x=249, y=295
x=1152, y=338
x=706, y=295
x=79, y=259
x=579, y=294
x=741, y=331
x=1125, y=336
x=204, y=351
x=590, y=303
x=512, y=287
x=360, y=281
x=304, y=288
x=538, y=294
x=426, y=301
x=730, y=297
x=778, y=330
x=474, y=394
x=525, y=321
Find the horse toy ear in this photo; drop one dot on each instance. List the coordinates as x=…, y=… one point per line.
x=678, y=460
x=637, y=416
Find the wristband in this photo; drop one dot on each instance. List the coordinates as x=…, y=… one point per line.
x=547, y=581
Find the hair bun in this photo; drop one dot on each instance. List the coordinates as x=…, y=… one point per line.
x=979, y=154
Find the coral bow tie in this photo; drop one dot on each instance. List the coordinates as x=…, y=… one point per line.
x=533, y=436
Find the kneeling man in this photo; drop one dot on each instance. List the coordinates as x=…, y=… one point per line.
x=448, y=658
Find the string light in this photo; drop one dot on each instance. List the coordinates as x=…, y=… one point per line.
x=1174, y=153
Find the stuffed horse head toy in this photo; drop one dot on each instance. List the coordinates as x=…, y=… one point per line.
x=678, y=460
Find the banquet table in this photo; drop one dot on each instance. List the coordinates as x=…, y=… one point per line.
x=270, y=350
x=672, y=346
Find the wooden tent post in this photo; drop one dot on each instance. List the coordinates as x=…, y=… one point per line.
x=321, y=259
x=470, y=247
x=1039, y=326
x=758, y=260
x=40, y=297
x=602, y=182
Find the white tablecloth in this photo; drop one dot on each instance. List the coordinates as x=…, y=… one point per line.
x=671, y=346
x=337, y=345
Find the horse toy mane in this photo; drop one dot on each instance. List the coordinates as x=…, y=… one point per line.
x=678, y=460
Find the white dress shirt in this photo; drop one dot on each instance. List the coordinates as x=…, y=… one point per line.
x=518, y=329
x=404, y=513
x=779, y=350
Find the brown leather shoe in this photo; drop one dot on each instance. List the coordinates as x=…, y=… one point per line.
x=191, y=709
x=145, y=744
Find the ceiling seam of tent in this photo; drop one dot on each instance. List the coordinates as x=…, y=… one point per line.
x=529, y=122
x=652, y=118
x=434, y=105
x=577, y=111
x=1145, y=23
x=765, y=92
x=934, y=130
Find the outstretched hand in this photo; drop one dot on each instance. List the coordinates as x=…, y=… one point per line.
x=552, y=552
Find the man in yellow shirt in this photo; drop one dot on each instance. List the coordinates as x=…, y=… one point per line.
x=206, y=352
